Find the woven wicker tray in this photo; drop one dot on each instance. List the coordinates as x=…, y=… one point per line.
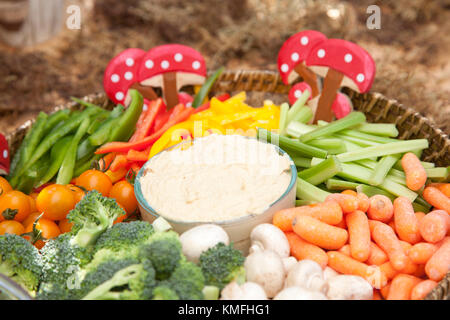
x=262, y=85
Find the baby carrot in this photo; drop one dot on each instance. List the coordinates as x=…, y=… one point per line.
x=300, y=249
x=420, y=215
x=416, y=175
x=377, y=256
x=385, y=291
x=359, y=235
x=420, y=272
x=348, y=203
x=422, y=289
x=406, y=222
x=347, y=265
x=411, y=267
x=380, y=208
x=439, y=263
x=363, y=202
x=377, y=295
x=319, y=233
x=402, y=286
x=345, y=250
x=443, y=187
x=283, y=218
x=436, y=198
x=385, y=237
x=421, y=252
x=388, y=270
x=392, y=224
x=341, y=224
x=434, y=226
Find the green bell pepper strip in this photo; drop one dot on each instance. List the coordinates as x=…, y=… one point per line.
x=103, y=133
x=126, y=125
x=28, y=181
x=49, y=141
x=206, y=88
x=57, y=155
x=65, y=173
x=55, y=118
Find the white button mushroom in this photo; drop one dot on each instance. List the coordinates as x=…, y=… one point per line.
x=288, y=263
x=347, y=287
x=329, y=273
x=266, y=268
x=298, y=293
x=268, y=237
x=199, y=239
x=246, y=291
x=307, y=274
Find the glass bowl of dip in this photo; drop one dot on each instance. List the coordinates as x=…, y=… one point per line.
x=238, y=229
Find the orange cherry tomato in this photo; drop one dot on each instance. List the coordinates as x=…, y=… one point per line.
x=34, y=195
x=122, y=217
x=48, y=228
x=15, y=200
x=123, y=192
x=78, y=192
x=95, y=180
x=55, y=201
x=33, y=207
x=65, y=225
x=4, y=186
x=12, y=227
x=31, y=218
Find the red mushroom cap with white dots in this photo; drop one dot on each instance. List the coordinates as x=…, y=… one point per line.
x=342, y=105
x=346, y=57
x=187, y=62
x=4, y=155
x=297, y=90
x=295, y=50
x=121, y=73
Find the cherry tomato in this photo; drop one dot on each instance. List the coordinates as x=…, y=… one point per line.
x=95, y=180
x=15, y=200
x=48, y=228
x=55, y=201
x=33, y=207
x=4, y=186
x=12, y=227
x=31, y=219
x=65, y=225
x=34, y=195
x=123, y=192
x=122, y=217
x=77, y=192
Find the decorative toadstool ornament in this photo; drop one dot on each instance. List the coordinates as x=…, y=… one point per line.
x=342, y=63
x=121, y=74
x=292, y=55
x=297, y=90
x=171, y=67
x=4, y=155
x=342, y=105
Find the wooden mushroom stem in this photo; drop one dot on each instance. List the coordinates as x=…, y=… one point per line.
x=331, y=85
x=147, y=92
x=309, y=77
x=170, y=90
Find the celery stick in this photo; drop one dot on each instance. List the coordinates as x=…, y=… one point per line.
x=298, y=105
x=378, y=129
x=417, y=152
x=419, y=207
x=365, y=136
x=307, y=191
x=332, y=145
x=423, y=202
x=351, y=146
x=397, y=179
x=358, y=141
x=425, y=164
x=321, y=172
x=371, y=191
x=301, y=161
x=335, y=126
x=438, y=173
x=284, y=108
x=383, y=150
x=398, y=189
x=296, y=129
x=300, y=203
x=382, y=168
x=322, y=123
x=367, y=163
x=315, y=161
x=304, y=115
x=290, y=145
x=336, y=184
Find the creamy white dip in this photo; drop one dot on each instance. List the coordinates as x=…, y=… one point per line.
x=217, y=178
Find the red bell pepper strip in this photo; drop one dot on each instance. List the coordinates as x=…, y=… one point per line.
x=134, y=155
x=145, y=124
x=161, y=119
x=120, y=161
x=205, y=106
x=148, y=141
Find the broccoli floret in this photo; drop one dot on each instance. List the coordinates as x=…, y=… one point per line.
x=164, y=251
x=91, y=217
x=134, y=282
x=125, y=236
x=163, y=292
x=187, y=281
x=20, y=261
x=222, y=264
x=61, y=262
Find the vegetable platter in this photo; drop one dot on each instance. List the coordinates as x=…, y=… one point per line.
x=371, y=174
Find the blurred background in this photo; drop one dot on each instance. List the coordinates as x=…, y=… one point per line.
x=43, y=62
